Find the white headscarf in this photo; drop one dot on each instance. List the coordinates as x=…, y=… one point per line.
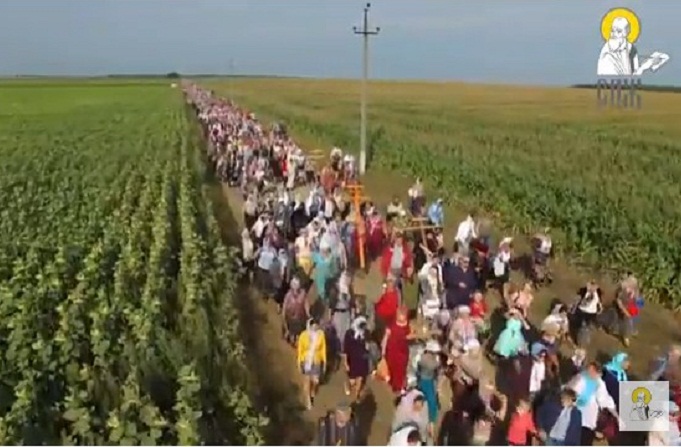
x=356, y=327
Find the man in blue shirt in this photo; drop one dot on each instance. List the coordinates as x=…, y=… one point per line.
x=436, y=213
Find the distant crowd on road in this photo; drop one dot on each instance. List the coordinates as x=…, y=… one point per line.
x=302, y=242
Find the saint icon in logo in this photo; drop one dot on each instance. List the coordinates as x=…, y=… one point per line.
x=621, y=28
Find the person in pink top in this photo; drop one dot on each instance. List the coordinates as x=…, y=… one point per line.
x=521, y=424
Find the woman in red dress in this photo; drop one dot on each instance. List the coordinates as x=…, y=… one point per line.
x=407, y=263
x=375, y=234
x=388, y=303
x=396, y=350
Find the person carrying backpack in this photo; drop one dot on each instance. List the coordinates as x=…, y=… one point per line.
x=338, y=427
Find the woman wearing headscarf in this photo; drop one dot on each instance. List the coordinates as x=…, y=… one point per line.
x=501, y=266
x=304, y=252
x=412, y=410
x=428, y=375
x=280, y=276
x=592, y=396
x=296, y=311
x=347, y=233
x=416, y=198
x=267, y=256
x=395, y=349
x=324, y=271
x=463, y=332
x=511, y=341
x=311, y=356
x=431, y=289
x=614, y=372
x=356, y=357
x=342, y=307
x=388, y=303
x=375, y=234
x=626, y=305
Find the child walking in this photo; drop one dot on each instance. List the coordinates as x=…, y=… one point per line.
x=522, y=424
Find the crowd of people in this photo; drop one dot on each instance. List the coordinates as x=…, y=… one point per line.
x=507, y=382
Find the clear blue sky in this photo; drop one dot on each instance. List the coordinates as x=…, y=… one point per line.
x=508, y=41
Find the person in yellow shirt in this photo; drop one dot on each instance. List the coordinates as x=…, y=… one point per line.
x=311, y=358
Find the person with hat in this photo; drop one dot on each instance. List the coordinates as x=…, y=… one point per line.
x=339, y=427
x=428, y=375
x=311, y=356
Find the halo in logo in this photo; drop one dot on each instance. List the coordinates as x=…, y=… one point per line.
x=641, y=390
x=632, y=18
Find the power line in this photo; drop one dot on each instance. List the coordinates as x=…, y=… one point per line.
x=365, y=32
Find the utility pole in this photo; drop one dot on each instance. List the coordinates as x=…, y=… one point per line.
x=365, y=32
x=231, y=79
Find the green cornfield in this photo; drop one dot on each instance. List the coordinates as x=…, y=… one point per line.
x=605, y=181
x=117, y=315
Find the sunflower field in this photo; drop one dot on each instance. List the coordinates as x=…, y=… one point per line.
x=117, y=317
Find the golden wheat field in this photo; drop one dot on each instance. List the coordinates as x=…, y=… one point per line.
x=605, y=180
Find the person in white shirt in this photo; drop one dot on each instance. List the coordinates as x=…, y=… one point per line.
x=465, y=233
x=258, y=228
x=588, y=308
x=406, y=436
x=538, y=372
x=659, y=436
x=592, y=396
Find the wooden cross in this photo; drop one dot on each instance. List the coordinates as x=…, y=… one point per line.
x=355, y=191
x=418, y=224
